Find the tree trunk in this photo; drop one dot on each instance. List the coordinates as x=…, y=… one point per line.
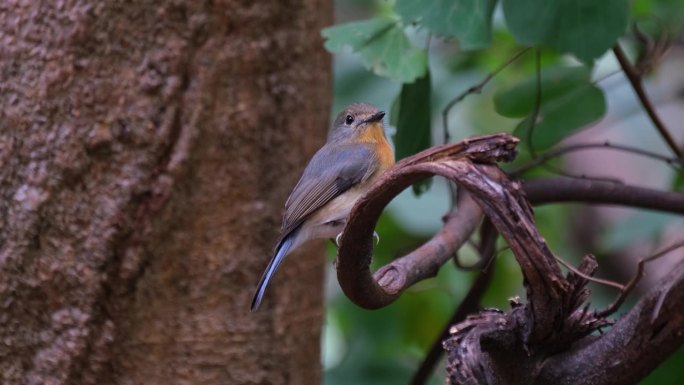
x=146, y=153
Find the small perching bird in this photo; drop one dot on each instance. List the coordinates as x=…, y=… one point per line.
x=355, y=155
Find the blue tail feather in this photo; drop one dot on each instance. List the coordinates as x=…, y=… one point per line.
x=283, y=250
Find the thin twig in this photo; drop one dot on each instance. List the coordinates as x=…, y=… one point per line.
x=606, y=76
x=477, y=88
x=560, y=151
x=588, y=277
x=559, y=172
x=635, y=80
x=626, y=289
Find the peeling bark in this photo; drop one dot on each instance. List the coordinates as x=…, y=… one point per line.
x=146, y=151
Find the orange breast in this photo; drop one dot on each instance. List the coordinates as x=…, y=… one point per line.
x=375, y=134
x=385, y=154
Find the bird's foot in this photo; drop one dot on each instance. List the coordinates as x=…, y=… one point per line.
x=376, y=238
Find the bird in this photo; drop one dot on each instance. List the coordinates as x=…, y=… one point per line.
x=355, y=155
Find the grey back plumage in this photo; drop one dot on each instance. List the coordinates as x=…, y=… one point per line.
x=332, y=171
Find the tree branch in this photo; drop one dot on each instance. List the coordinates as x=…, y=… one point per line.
x=634, y=78
x=416, y=266
x=551, y=190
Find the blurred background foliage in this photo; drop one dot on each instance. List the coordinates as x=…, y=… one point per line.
x=413, y=58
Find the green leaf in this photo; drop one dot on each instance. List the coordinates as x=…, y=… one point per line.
x=563, y=115
x=519, y=100
x=584, y=28
x=356, y=34
x=383, y=46
x=411, y=114
x=568, y=102
x=468, y=20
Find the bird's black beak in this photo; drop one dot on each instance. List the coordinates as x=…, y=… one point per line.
x=376, y=117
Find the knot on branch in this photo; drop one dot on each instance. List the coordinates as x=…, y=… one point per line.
x=391, y=279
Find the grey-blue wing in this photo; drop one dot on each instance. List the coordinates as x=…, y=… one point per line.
x=331, y=172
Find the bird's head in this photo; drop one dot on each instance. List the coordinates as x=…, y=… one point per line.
x=360, y=122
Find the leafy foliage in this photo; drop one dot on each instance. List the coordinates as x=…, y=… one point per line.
x=382, y=44
x=470, y=21
x=568, y=102
x=584, y=28
x=519, y=100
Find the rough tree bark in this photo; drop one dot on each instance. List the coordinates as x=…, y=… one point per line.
x=146, y=150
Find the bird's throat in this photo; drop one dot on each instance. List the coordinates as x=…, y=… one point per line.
x=372, y=133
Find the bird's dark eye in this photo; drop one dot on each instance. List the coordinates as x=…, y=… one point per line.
x=349, y=119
